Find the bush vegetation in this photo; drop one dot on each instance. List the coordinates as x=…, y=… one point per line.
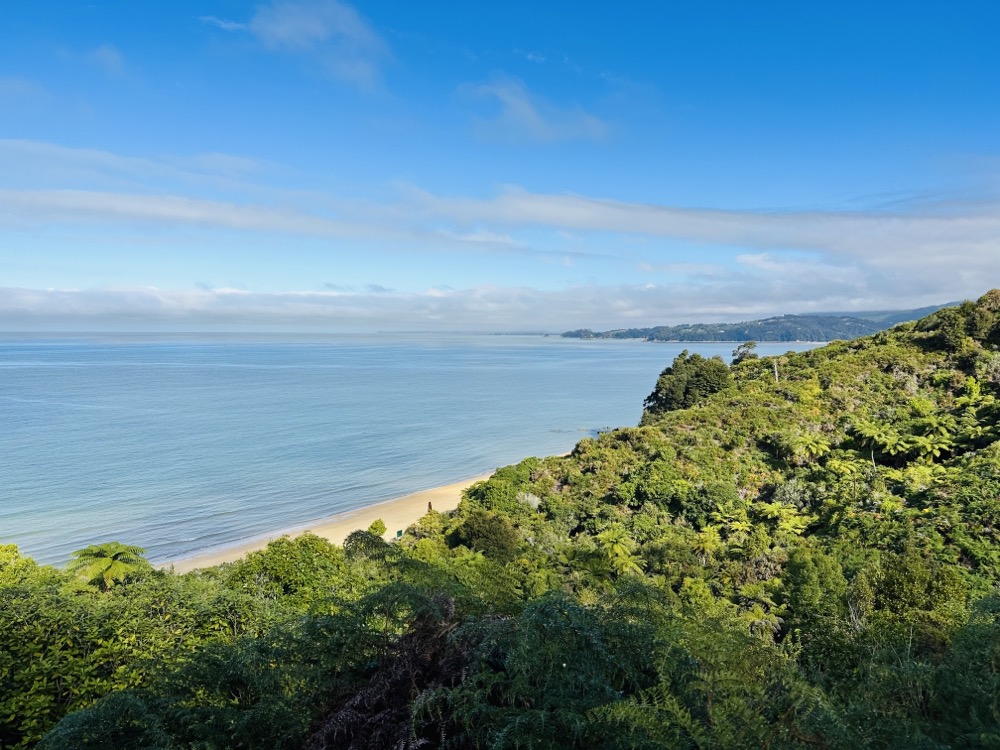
x=803, y=554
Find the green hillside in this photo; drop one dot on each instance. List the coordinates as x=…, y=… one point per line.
x=790, y=552
x=812, y=327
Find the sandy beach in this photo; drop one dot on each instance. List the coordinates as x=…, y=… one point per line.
x=397, y=514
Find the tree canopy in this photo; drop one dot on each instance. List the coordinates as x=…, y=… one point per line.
x=688, y=381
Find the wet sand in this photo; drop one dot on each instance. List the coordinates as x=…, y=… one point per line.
x=397, y=515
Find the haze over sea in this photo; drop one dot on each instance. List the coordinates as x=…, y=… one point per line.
x=182, y=443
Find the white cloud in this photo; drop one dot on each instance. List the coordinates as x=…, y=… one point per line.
x=486, y=308
x=306, y=25
x=685, y=263
x=221, y=23
x=17, y=88
x=535, y=57
x=35, y=163
x=20, y=207
x=524, y=116
x=331, y=32
x=685, y=269
x=102, y=186
x=481, y=236
x=878, y=237
x=109, y=58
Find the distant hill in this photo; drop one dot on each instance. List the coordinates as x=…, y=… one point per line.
x=813, y=327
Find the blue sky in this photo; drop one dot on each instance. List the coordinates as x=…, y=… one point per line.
x=319, y=165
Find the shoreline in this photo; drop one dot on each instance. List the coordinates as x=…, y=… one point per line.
x=397, y=513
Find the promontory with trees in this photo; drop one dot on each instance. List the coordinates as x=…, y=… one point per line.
x=791, y=552
x=810, y=327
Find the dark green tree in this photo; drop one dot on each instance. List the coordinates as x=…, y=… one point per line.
x=690, y=379
x=491, y=534
x=119, y=720
x=746, y=350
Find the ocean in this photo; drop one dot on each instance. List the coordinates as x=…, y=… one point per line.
x=185, y=443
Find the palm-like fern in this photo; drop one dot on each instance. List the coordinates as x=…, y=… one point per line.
x=103, y=565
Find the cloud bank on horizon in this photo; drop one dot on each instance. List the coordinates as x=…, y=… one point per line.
x=319, y=165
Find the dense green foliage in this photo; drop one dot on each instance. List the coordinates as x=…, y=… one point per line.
x=688, y=381
x=781, y=328
x=807, y=556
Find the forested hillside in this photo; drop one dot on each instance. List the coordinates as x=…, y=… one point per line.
x=809, y=327
x=791, y=552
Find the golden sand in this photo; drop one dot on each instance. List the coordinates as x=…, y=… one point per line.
x=397, y=515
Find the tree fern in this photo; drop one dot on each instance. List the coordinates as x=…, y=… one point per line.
x=104, y=565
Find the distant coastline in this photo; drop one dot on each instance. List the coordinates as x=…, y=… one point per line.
x=813, y=328
x=817, y=342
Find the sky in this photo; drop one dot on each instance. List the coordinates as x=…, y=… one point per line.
x=320, y=165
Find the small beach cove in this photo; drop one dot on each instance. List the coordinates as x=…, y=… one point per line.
x=195, y=444
x=397, y=514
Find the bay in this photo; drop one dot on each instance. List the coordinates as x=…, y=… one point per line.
x=183, y=443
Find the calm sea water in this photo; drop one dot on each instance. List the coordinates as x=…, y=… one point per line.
x=181, y=444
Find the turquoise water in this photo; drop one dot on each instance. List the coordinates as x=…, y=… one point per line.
x=181, y=444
